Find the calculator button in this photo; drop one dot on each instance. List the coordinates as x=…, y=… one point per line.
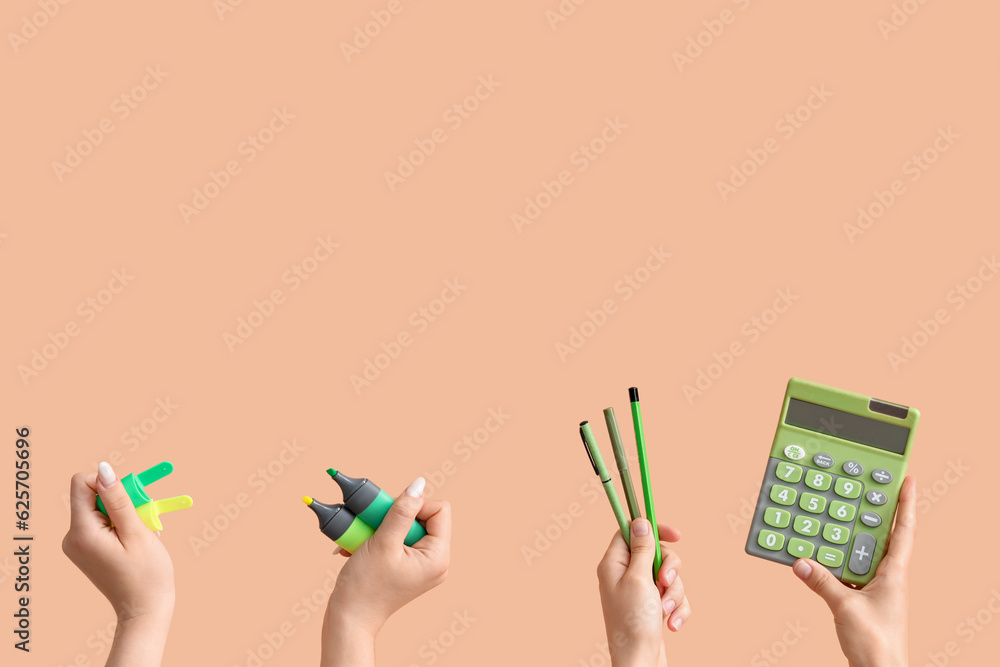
x=882, y=476
x=847, y=488
x=810, y=502
x=823, y=460
x=836, y=534
x=800, y=548
x=818, y=480
x=771, y=540
x=777, y=518
x=795, y=453
x=871, y=519
x=783, y=495
x=861, y=554
x=853, y=468
x=842, y=511
x=805, y=525
x=788, y=472
x=830, y=557
x=876, y=497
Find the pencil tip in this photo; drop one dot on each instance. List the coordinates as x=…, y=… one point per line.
x=633, y=394
x=583, y=423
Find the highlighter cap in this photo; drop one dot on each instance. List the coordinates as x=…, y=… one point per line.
x=358, y=493
x=334, y=520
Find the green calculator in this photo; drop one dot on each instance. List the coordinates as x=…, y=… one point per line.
x=832, y=480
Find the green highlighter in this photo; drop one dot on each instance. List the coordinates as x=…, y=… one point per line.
x=136, y=484
x=370, y=503
x=340, y=524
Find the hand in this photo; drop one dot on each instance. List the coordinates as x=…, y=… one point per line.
x=127, y=563
x=871, y=622
x=634, y=605
x=384, y=574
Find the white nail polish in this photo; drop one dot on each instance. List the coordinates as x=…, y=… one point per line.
x=416, y=487
x=337, y=550
x=106, y=475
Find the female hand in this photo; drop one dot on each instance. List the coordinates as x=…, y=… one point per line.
x=871, y=621
x=635, y=606
x=384, y=574
x=127, y=563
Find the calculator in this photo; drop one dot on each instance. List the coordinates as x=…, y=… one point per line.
x=832, y=480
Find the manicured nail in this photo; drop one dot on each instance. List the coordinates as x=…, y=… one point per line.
x=416, y=487
x=678, y=623
x=668, y=606
x=640, y=527
x=671, y=575
x=802, y=570
x=106, y=475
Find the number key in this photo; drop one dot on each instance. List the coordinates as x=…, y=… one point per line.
x=842, y=511
x=810, y=502
x=771, y=540
x=777, y=518
x=788, y=472
x=836, y=534
x=818, y=480
x=806, y=526
x=848, y=488
x=783, y=495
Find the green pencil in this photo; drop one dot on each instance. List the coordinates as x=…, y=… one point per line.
x=602, y=473
x=647, y=484
x=616, y=444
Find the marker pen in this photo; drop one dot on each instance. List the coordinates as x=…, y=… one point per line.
x=647, y=483
x=340, y=524
x=370, y=503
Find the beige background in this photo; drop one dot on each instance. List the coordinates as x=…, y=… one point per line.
x=495, y=345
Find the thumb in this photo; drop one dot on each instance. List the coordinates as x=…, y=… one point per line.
x=403, y=512
x=643, y=549
x=821, y=581
x=116, y=501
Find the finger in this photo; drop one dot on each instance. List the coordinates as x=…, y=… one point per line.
x=821, y=581
x=615, y=560
x=83, y=502
x=897, y=556
x=642, y=547
x=680, y=616
x=436, y=515
x=401, y=515
x=673, y=598
x=120, y=509
x=668, y=533
x=670, y=568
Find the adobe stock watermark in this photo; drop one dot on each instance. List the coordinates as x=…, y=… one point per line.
x=365, y=33
x=433, y=649
x=294, y=277
x=248, y=150
x=713, y=29
x=258, y=482
x=751, y=332
x=545, y=537
x=957, y=298
x=898, y=17
x=121, y=108
x=786, y=126
x=967, y=630
x=625, y=289
x=31, y=24
x=140, y=433
x=419, y=321
x=454, y=117
x=465, y=449
x=581, y=158
x=914, y=167
x=772, y=655
x=59, y=340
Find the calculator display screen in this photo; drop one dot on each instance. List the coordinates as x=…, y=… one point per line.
x=847, y=426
